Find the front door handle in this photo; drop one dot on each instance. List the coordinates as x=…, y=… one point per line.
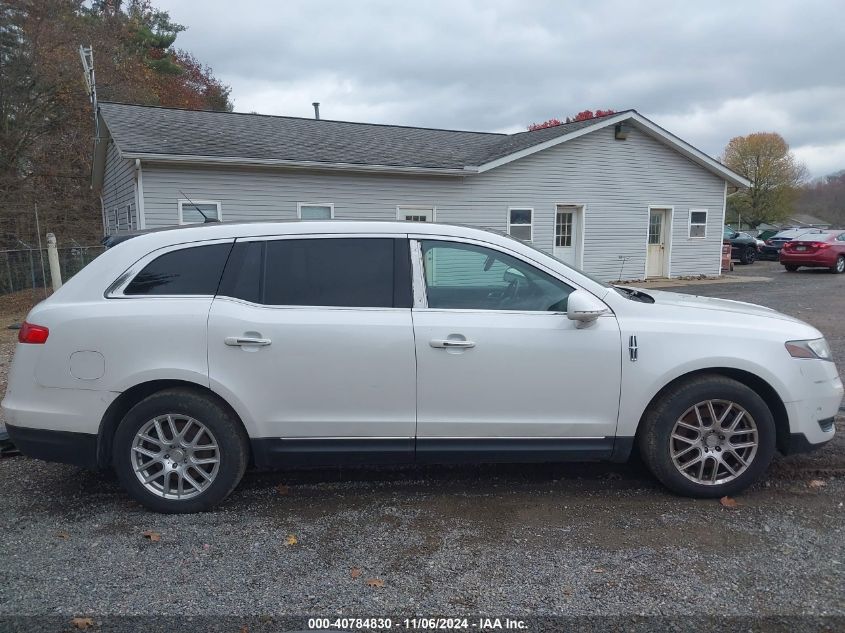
x=451, y=343
x=240, y=341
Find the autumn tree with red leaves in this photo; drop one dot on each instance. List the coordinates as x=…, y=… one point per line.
x=46, y=119
x=584, y=115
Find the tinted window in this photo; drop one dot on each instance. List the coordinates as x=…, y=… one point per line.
x=464, y=276
x=187, y=271
x=243, y=278
x=341, y=272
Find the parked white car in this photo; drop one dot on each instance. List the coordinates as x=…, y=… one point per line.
x=180, y=357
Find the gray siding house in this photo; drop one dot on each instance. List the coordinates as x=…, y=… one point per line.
x=617, y=196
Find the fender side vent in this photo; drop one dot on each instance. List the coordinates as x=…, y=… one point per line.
x=826, y=425
x=632, y=348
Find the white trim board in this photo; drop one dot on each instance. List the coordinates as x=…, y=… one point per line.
x=641, y=123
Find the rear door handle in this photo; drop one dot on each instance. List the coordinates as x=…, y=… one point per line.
x=451, y=343
x=237, y=341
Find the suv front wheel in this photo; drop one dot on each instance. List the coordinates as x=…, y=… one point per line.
x=179, y=451
x=708, y=437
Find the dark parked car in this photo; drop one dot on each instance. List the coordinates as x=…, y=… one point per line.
x=826, y=250
x=771, y=247
x=743, y=246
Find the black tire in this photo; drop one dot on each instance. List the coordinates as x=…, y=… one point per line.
x=655, y=434
x=790, y=268
x=839, y=267
x=230, y=437
x=748, y=256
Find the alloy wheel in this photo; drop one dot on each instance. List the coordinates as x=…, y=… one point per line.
x=175, y=456
x=840, y=265
x=713, y=442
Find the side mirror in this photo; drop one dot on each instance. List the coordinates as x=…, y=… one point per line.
x=584, y=308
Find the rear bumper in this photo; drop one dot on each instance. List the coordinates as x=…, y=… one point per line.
x=66, y=447
x=770, y=252
x=809, y=259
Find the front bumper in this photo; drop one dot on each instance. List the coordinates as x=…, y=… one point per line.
x=811, y=418
x=66, y=447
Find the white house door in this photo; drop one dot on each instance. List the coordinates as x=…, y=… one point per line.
x=416, y=214
x=567, y=221
x=656, y=262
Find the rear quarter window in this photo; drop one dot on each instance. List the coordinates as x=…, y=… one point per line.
x=195, y=270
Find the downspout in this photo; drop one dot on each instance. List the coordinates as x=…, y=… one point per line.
x=103, y=214
x=139, y=195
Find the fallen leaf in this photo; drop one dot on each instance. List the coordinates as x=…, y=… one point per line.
x=817, y=483
x=206, y=546
x=375, y=582
x=291, y=540
x=728, y=502
x=599, y=570
x=282, y=489
x=245, y=629
x=567, y=592
x=355, y=572
x=63, y=535
x=155, y=537
x=82, y=623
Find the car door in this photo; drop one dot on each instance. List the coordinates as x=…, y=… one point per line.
x=312, y=336
x=501, y=371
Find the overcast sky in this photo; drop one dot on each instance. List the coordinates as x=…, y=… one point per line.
x=706, y=71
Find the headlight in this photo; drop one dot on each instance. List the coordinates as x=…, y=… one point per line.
x=815, y=348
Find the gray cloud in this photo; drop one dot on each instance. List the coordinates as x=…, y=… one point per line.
x=706, y=72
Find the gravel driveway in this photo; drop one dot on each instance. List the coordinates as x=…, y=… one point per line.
x=516, y=541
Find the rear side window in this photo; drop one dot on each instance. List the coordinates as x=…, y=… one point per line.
x=337, y=272
x=187, y=271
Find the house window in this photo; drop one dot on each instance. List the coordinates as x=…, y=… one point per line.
x=415, y=214
x=520, y=223
x=315, y=211
x=563, y=229
x=196, y=211
x=698, y=223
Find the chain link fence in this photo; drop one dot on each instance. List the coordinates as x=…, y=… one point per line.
x=27, y=268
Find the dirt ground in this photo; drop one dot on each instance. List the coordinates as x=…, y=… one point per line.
x=563, y=541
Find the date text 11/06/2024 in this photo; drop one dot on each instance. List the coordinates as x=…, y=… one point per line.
x=421, y=624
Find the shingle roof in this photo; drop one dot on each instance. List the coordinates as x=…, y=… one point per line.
x=167, y=131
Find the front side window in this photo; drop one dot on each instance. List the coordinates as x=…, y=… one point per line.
x=336, y=272
x=315, y=211
x=470, y=277
x=520, y=223
x=187, y=271
x=698, y=223
x=198, y=211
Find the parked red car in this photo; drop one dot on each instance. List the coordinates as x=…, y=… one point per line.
x=818, y=250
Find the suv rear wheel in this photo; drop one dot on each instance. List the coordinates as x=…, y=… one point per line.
x=179, y=451
x=708, y=437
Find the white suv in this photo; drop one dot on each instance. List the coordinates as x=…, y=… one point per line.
x=180, y=357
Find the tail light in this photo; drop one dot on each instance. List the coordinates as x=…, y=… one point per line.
x=788, y=246
x=34, y=334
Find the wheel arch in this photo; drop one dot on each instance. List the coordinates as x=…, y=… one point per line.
x=760, y=386
x=132, y=396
